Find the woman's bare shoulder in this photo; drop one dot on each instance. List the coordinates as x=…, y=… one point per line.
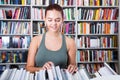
x=37, y=39
x=70, y=42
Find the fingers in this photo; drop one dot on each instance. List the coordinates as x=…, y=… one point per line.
x=47, y=65
x=72, y=68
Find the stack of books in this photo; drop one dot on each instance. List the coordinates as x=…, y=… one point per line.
x=55, y=73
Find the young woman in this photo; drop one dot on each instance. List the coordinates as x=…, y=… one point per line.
x=52, y=47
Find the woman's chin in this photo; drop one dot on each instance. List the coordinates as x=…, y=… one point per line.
x=54, y=30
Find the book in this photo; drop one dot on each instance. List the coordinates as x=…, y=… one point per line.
x=6, y=74
x=84, y=74
x=112, y=77
x=58, y=73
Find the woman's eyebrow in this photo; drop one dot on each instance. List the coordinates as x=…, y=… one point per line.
x=52, y=18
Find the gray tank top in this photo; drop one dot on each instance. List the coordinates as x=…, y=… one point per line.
x=59, y=57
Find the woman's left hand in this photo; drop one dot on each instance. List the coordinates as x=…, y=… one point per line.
x=72, y=68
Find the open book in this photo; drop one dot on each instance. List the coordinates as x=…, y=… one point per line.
x=105, y=71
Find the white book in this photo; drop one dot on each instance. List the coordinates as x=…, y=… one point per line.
x=37, y=2
x=27, y=75
x=33, y=2
x=1, y=15
x=16, y=75
x=69, y=75
x=23, y=75
x=41, y=2
x=77, y=76
x=92, y=13
x=84, y=74
x=106, y=70
x=79, y=14
x=6, y=74
x=13, y=74
x=87, y=28
x=50, y=74
x=78, y=42
x=9, y=74
x=56, y=1
x=112, y=27
x=86, y=2
x=47, y=2
x=58, y=72
x=94, y=42
x=97, y=74
x=112, y=77
x=36, y=75
x=88, y=13
x=31, y=76
x=64, y=76
x=41, y=75
x=54, y=73
x=20, y=74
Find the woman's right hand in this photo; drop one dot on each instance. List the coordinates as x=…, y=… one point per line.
x=48, y=65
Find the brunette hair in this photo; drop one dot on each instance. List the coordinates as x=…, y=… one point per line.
x=54, y=7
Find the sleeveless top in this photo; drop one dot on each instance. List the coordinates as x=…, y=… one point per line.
x=58, y=57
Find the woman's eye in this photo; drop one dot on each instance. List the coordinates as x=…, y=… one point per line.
x=49, y=20
x=58, y=20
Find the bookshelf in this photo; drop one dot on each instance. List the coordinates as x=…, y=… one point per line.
x=88, y=39
x=15, y=33
x=96, y=39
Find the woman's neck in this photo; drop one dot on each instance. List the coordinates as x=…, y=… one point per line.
x=53, y=34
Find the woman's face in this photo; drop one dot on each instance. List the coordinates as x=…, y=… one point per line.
x=53, y=20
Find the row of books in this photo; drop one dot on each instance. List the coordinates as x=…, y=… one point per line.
x=97, y=2
x=97, y=42
x=68, y=28
x=39, y=28
x=92, y=68
x=97, y=55
x=47, y=2
x=38, y=13
x=98, y=14
x=22, y=2
x=97, y=28
x=13, y=56
x=56, y=73
x=14, y=41
x=11, y=66
x=69, y=13
x=7, y=27
x=15, y=13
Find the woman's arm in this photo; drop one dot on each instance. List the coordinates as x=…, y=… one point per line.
x=71, y=46
x=31, y=54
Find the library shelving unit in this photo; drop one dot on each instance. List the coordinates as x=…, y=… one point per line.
x=94, y=24
x=15, y=33
x=97, y=34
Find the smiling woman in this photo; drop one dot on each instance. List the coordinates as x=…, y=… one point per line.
x=52, y=47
